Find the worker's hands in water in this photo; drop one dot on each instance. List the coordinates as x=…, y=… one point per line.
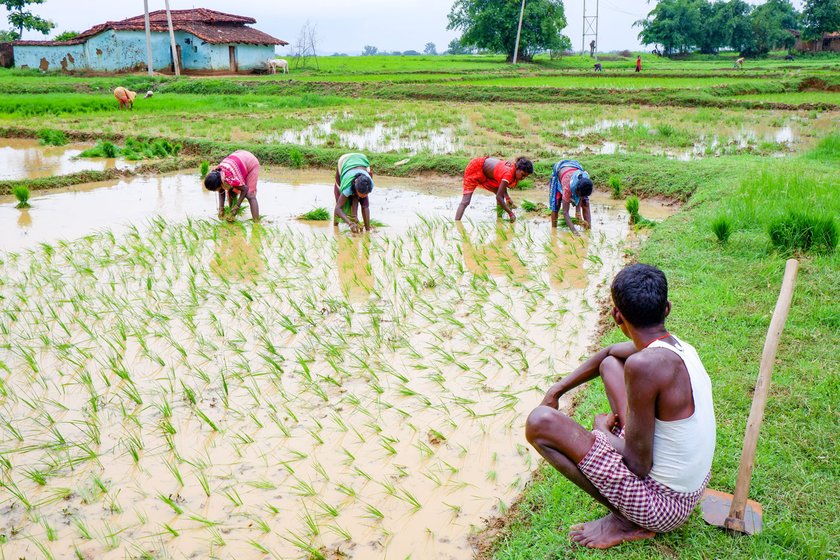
x=355, y=228
x=605, y=422
x=512, y=217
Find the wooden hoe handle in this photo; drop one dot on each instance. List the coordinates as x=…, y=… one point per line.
x=735, y=521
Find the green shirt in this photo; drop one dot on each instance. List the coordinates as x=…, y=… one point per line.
x=351, y=165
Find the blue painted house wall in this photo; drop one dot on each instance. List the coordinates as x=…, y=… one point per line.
x=115, y=51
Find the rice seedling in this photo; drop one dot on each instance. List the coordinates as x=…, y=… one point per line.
x=722, y=227
x=616, y=188
x=52, y=137
x=204, y=169
x=21, y=193
x=320, y=214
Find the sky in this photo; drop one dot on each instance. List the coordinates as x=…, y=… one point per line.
x=347, y=26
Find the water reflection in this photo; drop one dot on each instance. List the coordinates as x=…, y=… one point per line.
x=495, y=254
x=238, y=255
x=24, y=218
x=566, y=254
x=353, y=264
x=23, y=158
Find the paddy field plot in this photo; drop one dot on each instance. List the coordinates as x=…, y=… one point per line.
x=187, y=387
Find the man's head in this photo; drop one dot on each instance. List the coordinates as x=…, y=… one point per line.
x=362, y=185
x=213, y=180
x=640, y=295
x=524, y=167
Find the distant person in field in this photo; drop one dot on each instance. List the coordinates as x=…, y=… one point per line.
x=237, y=175
x=496, y=176
x=353, y=185
x=598, y=67
x=570, y=186
x=739, y=63
x=639, y=63
x=125, y=97
x=649, y=460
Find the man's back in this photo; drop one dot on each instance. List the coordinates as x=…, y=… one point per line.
x=683, y=445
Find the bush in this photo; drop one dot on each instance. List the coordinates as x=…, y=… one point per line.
x=50, y=137
x=802, y=232
x=722, y=228
x=22, y=195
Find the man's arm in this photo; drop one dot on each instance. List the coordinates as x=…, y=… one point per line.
x=235, y=209
x=221, y=202
x=587, y=371
x=641, y=379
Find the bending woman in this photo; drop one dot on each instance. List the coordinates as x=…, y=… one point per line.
x=353, y=184
x=496, y=176
x=237, y=174
x=570, y=186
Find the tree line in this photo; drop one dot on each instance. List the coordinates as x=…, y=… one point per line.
x=682, y=26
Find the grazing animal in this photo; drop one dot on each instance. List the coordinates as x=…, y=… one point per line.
x=274, y=63
x=125, y=97
x=148, y=94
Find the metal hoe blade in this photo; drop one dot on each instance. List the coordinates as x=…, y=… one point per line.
x=715, y=507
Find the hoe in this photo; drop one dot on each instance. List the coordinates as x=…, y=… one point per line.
x=736, y=513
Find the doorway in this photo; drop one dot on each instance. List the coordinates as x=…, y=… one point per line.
x=234, y=67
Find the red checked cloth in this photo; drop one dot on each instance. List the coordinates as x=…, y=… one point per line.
x=643, y=501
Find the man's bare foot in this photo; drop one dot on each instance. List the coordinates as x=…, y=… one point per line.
x=607, y=532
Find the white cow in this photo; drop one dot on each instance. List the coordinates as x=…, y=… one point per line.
x=274, y=63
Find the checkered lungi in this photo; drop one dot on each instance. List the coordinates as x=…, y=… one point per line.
x=643, y=501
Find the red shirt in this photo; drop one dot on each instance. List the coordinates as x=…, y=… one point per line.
x=504, y=171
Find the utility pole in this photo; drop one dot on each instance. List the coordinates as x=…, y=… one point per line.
x=519, y=31
x=590, y=26
x=148, y=38
x=172, y=41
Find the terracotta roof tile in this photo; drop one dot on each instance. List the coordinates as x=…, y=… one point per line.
x=208, y=25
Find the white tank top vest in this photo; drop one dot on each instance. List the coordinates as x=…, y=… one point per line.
x=683, y=449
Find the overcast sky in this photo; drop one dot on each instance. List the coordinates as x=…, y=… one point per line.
x=348, y=25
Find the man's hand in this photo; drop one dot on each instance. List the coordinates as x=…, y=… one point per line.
x=605, y=422
x=355, y=228
x=512, y=217
x=552, y=396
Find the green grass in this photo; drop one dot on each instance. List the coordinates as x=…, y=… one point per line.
x=795, y=475
x=794, y=97
x=607, y=82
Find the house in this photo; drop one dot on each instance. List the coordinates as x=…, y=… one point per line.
x=828, y=42
x=205, y=40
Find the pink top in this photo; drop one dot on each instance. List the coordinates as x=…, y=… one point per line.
x=241, y=168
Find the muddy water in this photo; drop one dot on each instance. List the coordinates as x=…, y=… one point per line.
x=23, y=158
x=203, y=389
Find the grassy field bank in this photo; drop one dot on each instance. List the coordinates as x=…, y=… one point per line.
x=723, y=296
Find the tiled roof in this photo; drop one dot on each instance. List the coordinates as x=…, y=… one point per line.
x=208, y=25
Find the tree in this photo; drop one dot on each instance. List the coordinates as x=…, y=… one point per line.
x=21, y=19
x=66, y=35
x=8, y=36
x=820, y=16
x=674, y=24
x=457, y=47
x=369, y=50
x=306, y=46
x=491, y=25
x=430, y=49
x=771, y=24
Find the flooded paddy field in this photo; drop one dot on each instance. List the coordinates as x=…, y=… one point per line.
x=190, y=388
x=23, y=158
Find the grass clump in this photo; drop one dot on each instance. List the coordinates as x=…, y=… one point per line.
x=827, y=150
x=135, y=149
x=722, y=227
x=525, y=185
x=51, y=137
x=320, y=214
x=798, y=231
x=296, y=158
x=21, y=193
x=614, y=183
x=534, y=207
x=636, y=218
x=204, y=169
